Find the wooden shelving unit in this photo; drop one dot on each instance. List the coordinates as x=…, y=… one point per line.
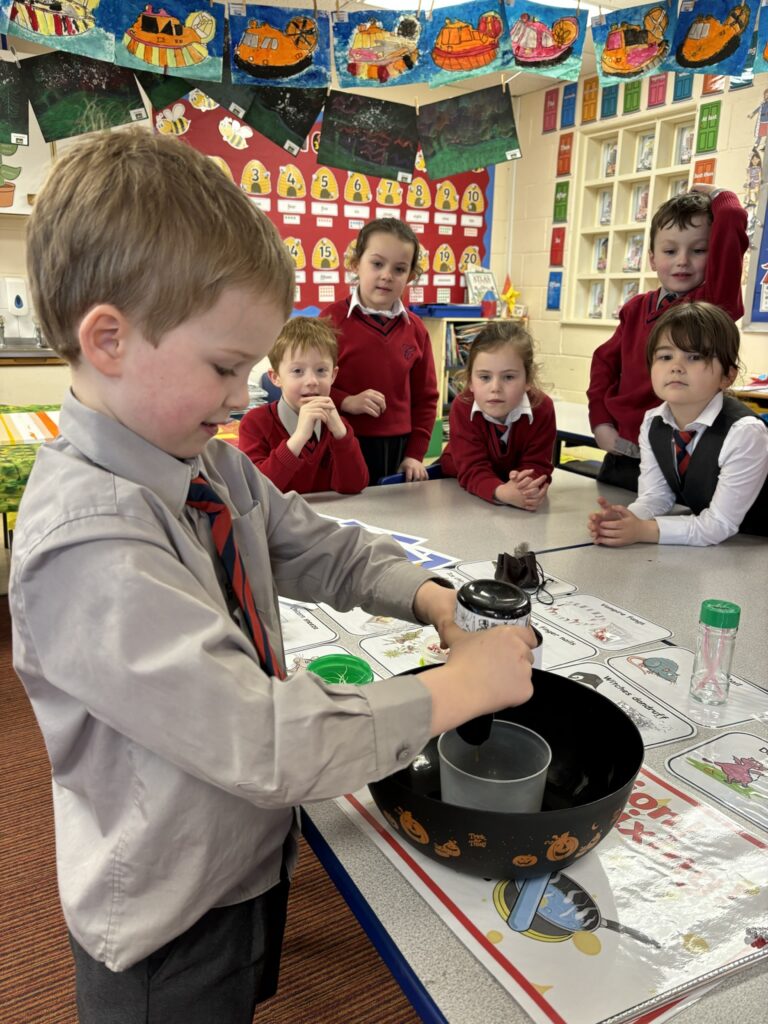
x=628, y=170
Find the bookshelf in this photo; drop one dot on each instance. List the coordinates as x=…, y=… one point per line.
x=628, y=171
x=451, y=338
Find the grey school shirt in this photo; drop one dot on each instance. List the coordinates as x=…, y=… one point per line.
x=176, y=760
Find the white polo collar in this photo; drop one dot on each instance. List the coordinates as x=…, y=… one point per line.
x=397, y=310
x=523, y=409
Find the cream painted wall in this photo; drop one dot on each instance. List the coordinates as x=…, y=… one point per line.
x=523, y=205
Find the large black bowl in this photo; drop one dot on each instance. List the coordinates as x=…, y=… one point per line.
x=596, y=754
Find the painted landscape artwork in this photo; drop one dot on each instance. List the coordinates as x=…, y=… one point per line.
x=368, y=135
x=285, y=116
x=14, y=106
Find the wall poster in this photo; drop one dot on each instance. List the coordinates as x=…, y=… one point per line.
x=319, y=209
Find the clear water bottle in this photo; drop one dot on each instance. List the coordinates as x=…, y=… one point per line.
x=715, y=641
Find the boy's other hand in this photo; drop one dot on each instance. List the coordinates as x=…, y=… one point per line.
x=703, y=187
x=437, y=605
x=615, y=526
x=485, y=672
x=314, y=410
x=606, y=436
x=413, y=470
x=334, y=422
x=365, y=403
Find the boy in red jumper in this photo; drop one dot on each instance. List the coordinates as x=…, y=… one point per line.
x=300, y=441
x=700, y=232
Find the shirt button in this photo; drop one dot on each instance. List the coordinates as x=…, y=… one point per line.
x=404, y=754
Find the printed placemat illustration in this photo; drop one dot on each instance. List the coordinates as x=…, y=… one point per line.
x=731, y=769
x=360, y=623
x=624, y=930
x=597, y=622
x=301, y=628
x=666, y=674
x=658, y=723
x=555, y=587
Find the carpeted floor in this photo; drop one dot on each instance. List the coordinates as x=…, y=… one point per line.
x=331, y=974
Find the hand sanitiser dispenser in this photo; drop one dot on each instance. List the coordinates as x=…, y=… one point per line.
x=17, y=300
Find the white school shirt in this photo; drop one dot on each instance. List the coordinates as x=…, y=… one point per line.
x=397, y=310
x=523, y=409
x=743, y=465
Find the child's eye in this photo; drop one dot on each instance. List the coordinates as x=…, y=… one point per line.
x=224, y=371
x=694, y=357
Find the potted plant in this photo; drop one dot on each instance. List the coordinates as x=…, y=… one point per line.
x=8, y=174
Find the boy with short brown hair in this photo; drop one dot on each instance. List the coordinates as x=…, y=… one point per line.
x=301, y=442
x=144, y=575
x=697, y=247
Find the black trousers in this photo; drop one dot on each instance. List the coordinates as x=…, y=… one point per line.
x=214, y=973
x=620, y=470
x=383, y=455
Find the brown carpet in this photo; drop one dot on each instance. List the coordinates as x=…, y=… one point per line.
x=331, y=974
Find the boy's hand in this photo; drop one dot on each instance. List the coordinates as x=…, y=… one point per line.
x=314, y=410
x=437, y=605
x=334, y=422
x=615, y=527
x=702, y=187
x=606, y=436
x=485, y=672
x=413, y=470
x=365, y=403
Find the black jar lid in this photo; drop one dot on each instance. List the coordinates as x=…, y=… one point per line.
x=494, y=599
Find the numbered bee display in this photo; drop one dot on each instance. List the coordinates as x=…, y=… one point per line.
x=290, y=183
x=446, y=196
x=172, y=121
x=325, y=255
x=201, y=101
x=470, y=259
x=324, y=184
x=473, y=200
x=223, y=166
x=445, y=260
x=357, y=189
x=256, y=179
x=296, y=249
x=389, y=193
x=419, y=195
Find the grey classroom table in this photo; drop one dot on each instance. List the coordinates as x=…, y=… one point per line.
x=443, y=980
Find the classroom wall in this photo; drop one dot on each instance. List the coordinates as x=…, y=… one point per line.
x=523, y=204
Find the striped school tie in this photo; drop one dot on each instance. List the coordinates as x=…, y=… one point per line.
x=682, y=439
x=202, y=496
x=501, y=429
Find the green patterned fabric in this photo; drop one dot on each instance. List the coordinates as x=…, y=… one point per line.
x=16, y=461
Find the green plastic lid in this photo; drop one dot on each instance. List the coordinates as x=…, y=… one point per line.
x=342, y=668
x=720, y=614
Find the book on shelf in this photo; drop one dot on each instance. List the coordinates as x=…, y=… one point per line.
x=633, y=254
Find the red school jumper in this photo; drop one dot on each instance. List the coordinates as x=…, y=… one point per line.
x=330, y=464
x=620, y=389
x=393, y=356
x=477, y=457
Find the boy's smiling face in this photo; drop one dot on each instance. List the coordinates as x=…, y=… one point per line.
x=177, y=394
x=303, y=376
x=679, y=255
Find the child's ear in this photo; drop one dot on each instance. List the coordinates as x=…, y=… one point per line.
x=333, y=375
x=274, y=376
x=729, y=378
x=102, y=333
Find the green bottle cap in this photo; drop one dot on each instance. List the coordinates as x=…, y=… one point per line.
x=342, y=668
x=720, y=614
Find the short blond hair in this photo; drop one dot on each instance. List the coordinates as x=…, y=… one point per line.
x=150, y=225
x=301, y=334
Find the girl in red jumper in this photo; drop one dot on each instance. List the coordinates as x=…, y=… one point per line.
x=502, y=427
x=386, y=385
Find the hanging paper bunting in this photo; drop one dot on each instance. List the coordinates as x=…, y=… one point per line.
x=546, y=40
x=475, y=129
x=72, y=26
x=632, y=43
x=712, y=36
x=181, y=38
x=285, y=116
x=375, y=48
x=72, y=95
x=367, y=135
x=281, y=47
x=14, y=105
x=3, y=20
x=761, y=45
x=466, y=40
x=160, y=89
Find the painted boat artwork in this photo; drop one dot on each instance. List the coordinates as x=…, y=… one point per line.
x=266, y=51
x=632, y=49
x=535, y=44
x=158, y=38
x=460, y=47
x=374, y=53
x=53, y=17
x=709, y=40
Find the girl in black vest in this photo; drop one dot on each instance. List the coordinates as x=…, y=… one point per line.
x=701, y=448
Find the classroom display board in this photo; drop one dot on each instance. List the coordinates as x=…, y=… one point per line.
x=319, y=210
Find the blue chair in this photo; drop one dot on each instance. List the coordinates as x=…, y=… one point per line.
x=273, y=391
x=434, y=472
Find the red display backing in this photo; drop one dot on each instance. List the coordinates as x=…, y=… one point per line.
x=319, y=210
